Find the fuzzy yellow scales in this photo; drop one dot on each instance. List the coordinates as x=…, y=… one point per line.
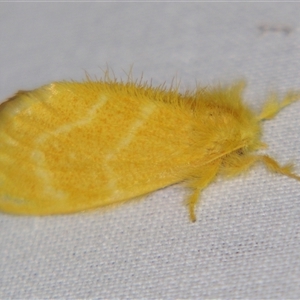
x=68, y=146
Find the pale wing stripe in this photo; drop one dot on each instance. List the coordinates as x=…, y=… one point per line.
x=85, y=120
x=39, y=158
x=146, y=111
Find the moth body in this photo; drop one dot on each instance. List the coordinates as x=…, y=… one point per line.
x=68, y=146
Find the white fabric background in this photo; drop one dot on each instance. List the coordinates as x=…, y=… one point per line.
x=245, y=243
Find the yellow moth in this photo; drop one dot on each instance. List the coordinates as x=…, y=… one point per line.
x=69, y=146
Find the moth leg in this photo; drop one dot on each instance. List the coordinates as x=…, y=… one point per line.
x=199, y=183
x=273, y=166
x=192, y=201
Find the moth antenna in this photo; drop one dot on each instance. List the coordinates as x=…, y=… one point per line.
x=274, y=167
x=273, y=106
